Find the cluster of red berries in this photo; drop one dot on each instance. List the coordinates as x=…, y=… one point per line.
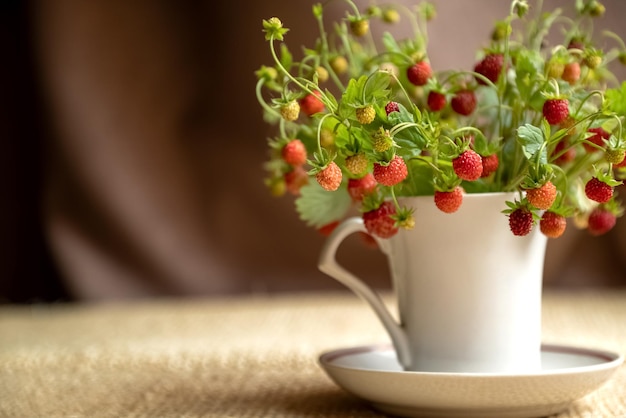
x=396, y=122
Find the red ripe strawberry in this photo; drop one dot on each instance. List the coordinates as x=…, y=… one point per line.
x=392, y=107
x=521, y=221
x=542, y=197
x=419, y=73
x=555, y=110
x=436, y=101
x=330, y=177
x=295, y=179
x=449, y=202
x=552, y=225
x=379, y=222
x=463, y=102
x=391, y=174
x=489, y=67
x=468, y=165
x=327, y=229
x=571, y=72
x=601, y=221
x=294, y=153
x=564, y=151
x=598, y=191
x=490, y=164
x=311, y=104
x=359, y=188
x=598, y=138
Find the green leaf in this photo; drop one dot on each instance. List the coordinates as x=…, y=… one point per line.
x=531, y=139
x=615, y=100
x=390, y=43
x=376, y=86
x=419, y=182
x=286, y=59
x=318, y=207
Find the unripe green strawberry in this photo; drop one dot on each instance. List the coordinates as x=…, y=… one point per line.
x=620, y=165
x=555, y=69
x=500, y=31
x=622, y=57
x=359, y=26
x=329, y=177
x=596, y=9
x=339, y=64
x=600, y=221
x=382, y=140
x=468, y=165
x=379, y=222
x=322, y=74
x=294, y=153
x=555, y=110
x=552, y=225
x=521, y=221
x=327, y=138
x=542, y=197
x=592, y=60
x=290, y=111
x=449, y=202
x=366, y=114
x=614, y=156
x=391, y=174
x=391, y=15
x=598, y=191
x=357, y=164
x=277, y=186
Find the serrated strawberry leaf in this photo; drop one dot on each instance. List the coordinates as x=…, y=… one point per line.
x=615, y=99
x=531, y=138
x=318, y=207
x=350, y=97
x=376, y=86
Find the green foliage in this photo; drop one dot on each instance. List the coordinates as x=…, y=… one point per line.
x=317, y=207
x=508, y=120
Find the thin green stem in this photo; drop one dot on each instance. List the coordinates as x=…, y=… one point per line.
x=261, y=100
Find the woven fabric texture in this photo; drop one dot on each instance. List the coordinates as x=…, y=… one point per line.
x=246, y=357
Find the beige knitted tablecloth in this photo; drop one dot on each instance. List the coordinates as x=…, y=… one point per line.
x=234, y=357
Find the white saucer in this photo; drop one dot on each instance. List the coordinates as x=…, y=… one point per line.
x=372, y=373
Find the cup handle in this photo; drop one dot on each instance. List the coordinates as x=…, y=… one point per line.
x=328, y=265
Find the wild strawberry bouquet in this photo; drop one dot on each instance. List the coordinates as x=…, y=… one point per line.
x=363, y=121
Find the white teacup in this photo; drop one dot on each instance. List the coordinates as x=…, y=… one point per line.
x=468, y=290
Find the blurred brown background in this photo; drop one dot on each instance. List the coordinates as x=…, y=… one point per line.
x=133, y=148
